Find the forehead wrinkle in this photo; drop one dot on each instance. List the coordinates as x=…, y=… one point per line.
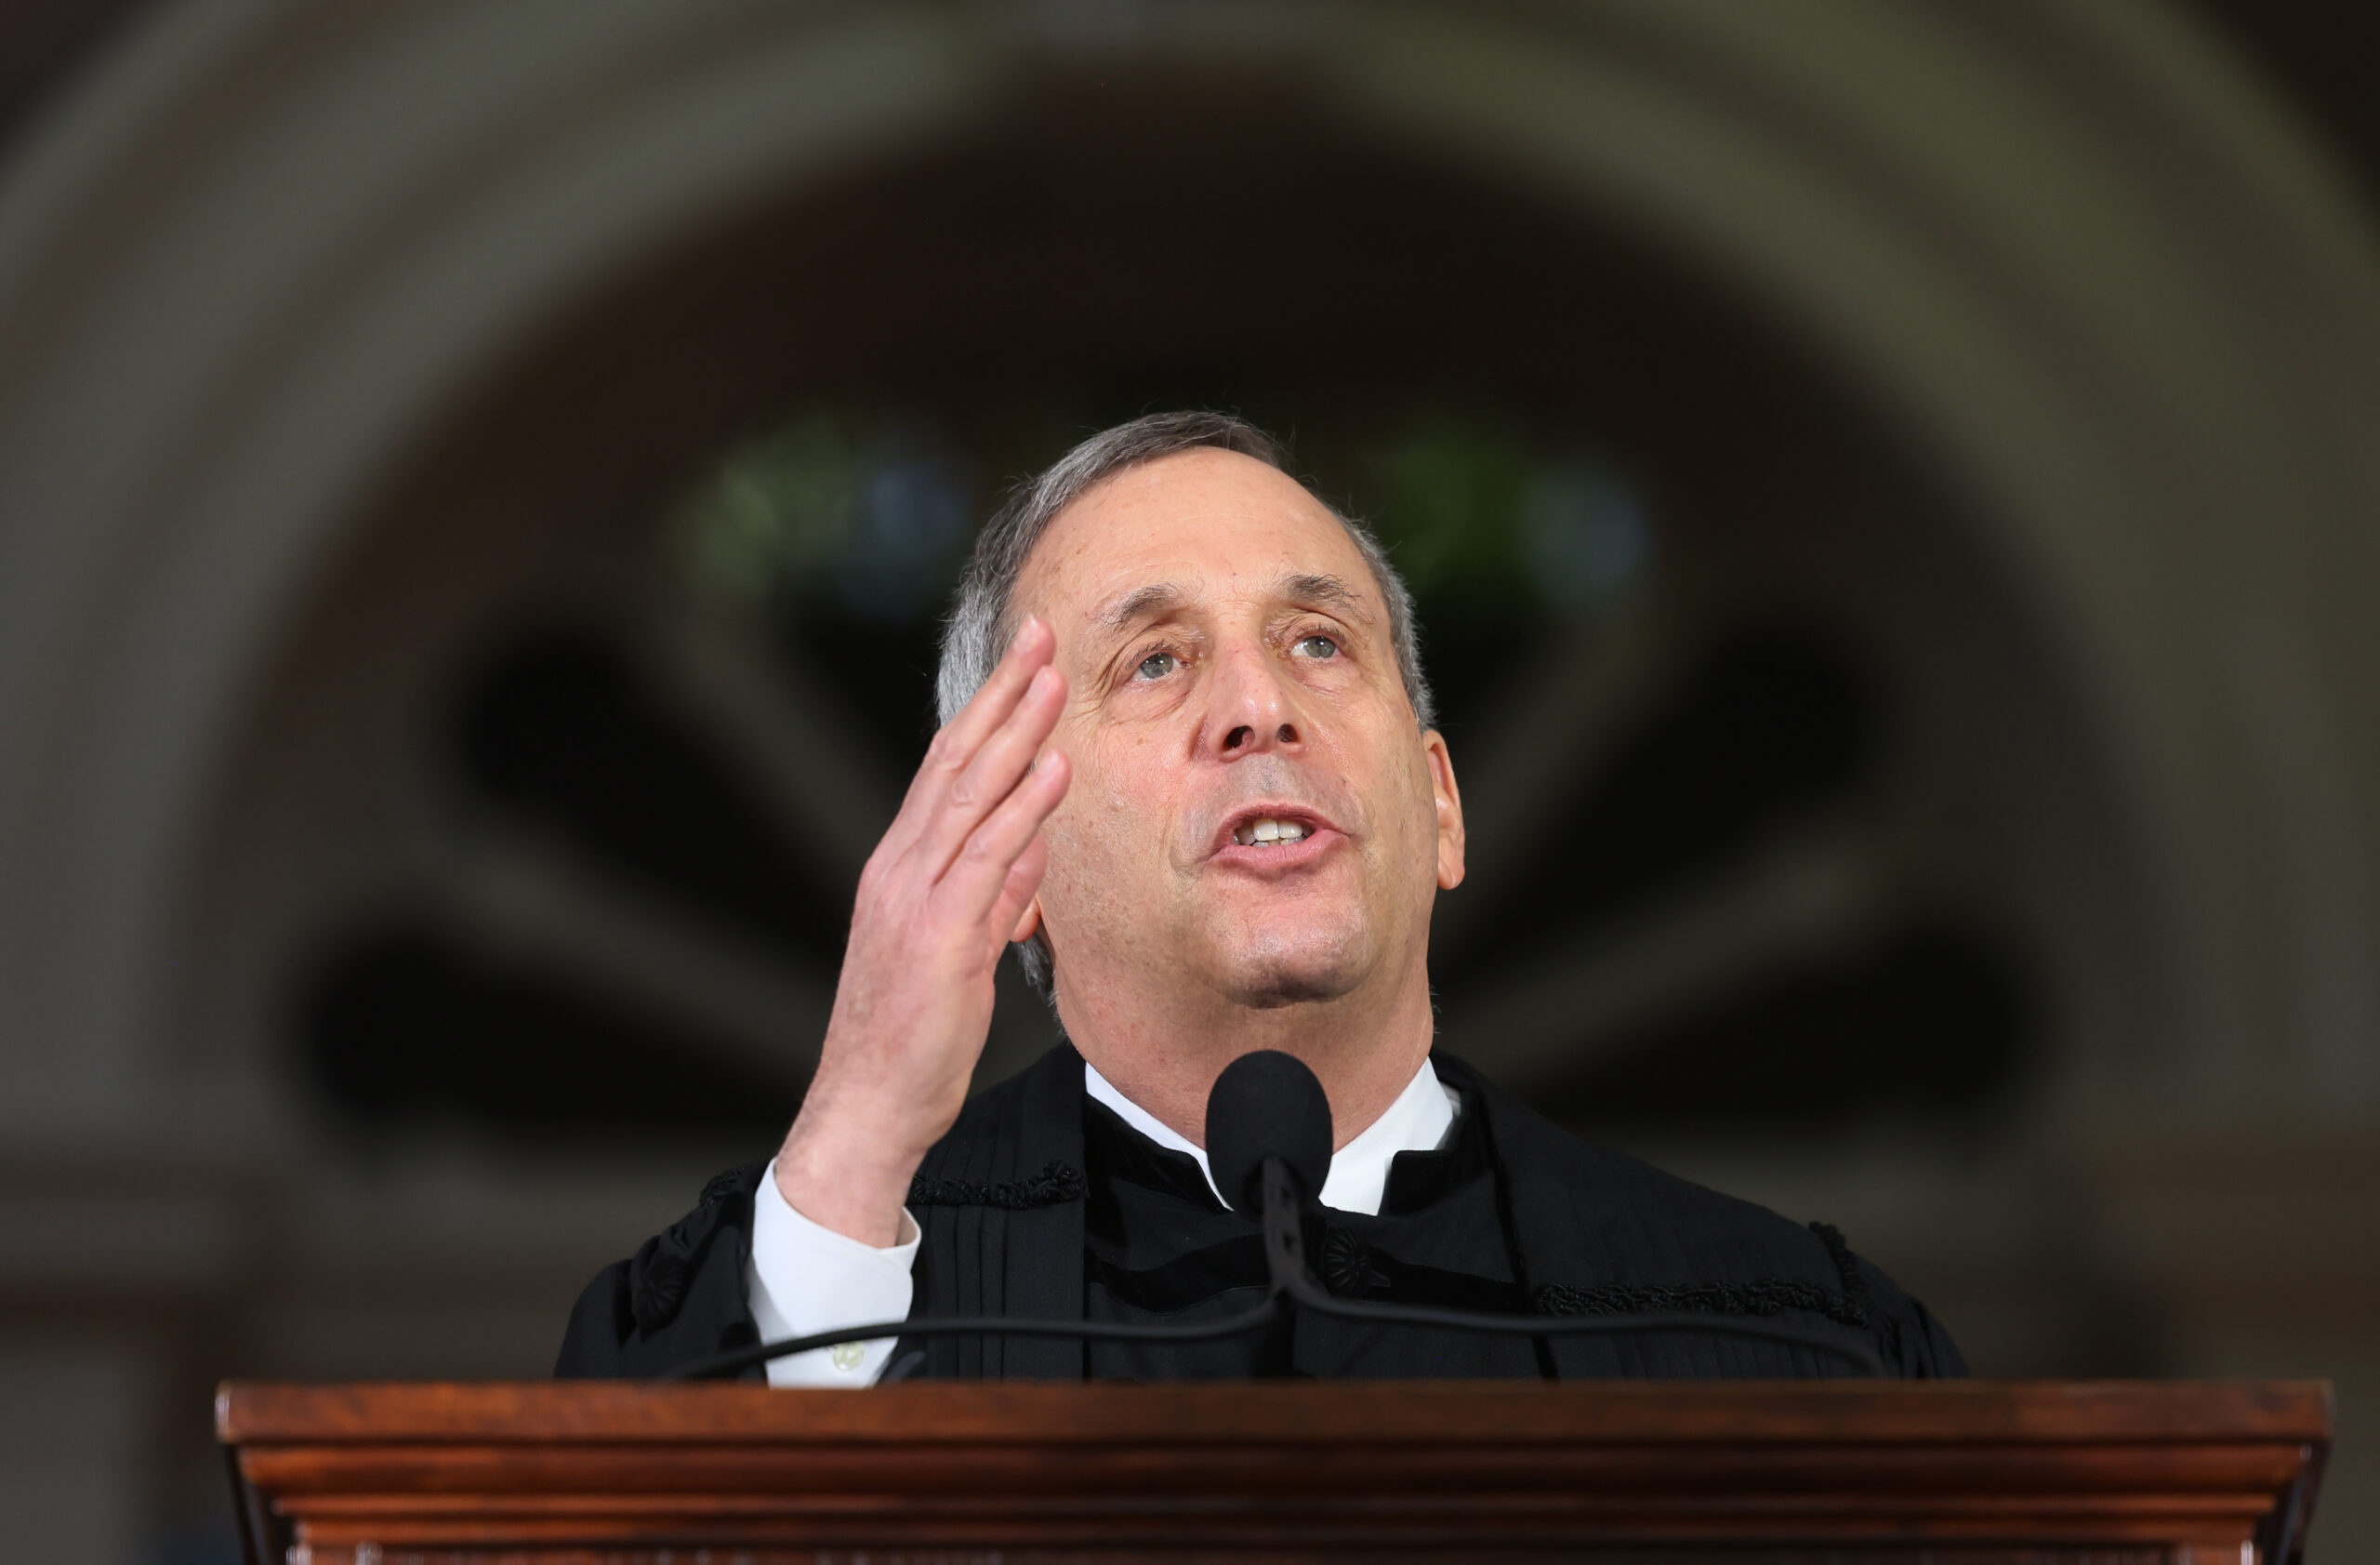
x=1140, y=603
x=1324, y=591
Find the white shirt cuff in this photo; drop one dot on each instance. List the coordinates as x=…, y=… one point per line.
x=804, y=1278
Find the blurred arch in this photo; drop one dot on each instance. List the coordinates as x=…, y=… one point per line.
x=259, y=259
x=2093, y=269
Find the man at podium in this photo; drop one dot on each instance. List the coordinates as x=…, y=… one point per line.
x=1188, y=772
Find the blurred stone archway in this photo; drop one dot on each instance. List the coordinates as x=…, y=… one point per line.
x=360, y=360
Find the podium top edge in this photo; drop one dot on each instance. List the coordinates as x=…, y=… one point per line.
x=1363, y=1412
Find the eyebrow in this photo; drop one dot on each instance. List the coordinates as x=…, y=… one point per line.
x=1141, y=605
x=1326, y=591
x=1160, y=598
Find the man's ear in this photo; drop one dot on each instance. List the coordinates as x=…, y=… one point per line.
x=1027, y=922
x=1447, y=797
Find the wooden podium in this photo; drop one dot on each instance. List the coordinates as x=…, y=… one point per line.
x=1826, y=1471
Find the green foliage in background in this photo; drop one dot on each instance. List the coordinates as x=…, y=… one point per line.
x=877, y=510
x=1450, y=498
x=1481, y=521
x=772, y=509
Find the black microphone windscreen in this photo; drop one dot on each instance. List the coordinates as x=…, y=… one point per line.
x=1266, y=1103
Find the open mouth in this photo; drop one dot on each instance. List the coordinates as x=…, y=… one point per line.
x=1274, y=833
x=1268, y=829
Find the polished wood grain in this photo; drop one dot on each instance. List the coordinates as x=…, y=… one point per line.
x=1968, y=1472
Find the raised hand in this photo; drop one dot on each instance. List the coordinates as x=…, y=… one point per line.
x=940, y=897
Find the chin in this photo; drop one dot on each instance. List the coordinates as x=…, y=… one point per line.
x=1263, y=971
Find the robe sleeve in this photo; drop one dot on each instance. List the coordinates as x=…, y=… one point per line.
x=681, y=1297
x=1914, y=1345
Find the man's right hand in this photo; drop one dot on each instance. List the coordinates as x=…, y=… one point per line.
x=942, y=896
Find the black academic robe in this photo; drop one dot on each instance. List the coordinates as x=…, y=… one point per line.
x=1000, y=1202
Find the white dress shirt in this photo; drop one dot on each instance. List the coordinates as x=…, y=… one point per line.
x=805, y=1279
x=1416, y=1121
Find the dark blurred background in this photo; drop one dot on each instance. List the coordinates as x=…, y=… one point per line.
x=1891, y=490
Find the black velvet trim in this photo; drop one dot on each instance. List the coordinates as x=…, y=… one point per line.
x=1114, y=1150
x=663, y=1268
x=1846, y=1266
x=1347, y=1267
x=657, y=1276
x=1767, y=1295
x=1417, y=1180
x=1055, y=1185
x=1352, y=1269
x=1474, y=1102
x=1184, y=1280
x=735, y=1182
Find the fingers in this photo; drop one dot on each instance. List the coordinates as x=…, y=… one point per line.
x=999, y=766
x=995, y=701
x=958, y=739
x=983, y=877
x=1014, y=907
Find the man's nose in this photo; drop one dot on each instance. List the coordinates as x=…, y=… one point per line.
x=1254, y=709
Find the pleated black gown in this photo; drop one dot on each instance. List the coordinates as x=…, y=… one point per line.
x=1042, y=1204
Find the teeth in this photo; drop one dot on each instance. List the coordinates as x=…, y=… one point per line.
x=1270, y=830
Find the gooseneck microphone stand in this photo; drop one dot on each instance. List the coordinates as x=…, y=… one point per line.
x=1282, y=1200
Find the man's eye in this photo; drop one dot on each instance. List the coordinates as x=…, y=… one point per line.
x=1157, y=664
x=1318, y=646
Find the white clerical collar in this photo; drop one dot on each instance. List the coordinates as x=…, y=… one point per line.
x=1416, y=1121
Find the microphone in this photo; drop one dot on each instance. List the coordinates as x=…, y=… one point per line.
x=1264, y=1106
x=1268, y=1144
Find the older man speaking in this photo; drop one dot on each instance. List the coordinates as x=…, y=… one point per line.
x=1188, y=769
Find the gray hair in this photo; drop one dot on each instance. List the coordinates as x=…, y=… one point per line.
x=982, y=615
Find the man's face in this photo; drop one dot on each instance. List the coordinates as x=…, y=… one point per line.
x=1254, y=809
